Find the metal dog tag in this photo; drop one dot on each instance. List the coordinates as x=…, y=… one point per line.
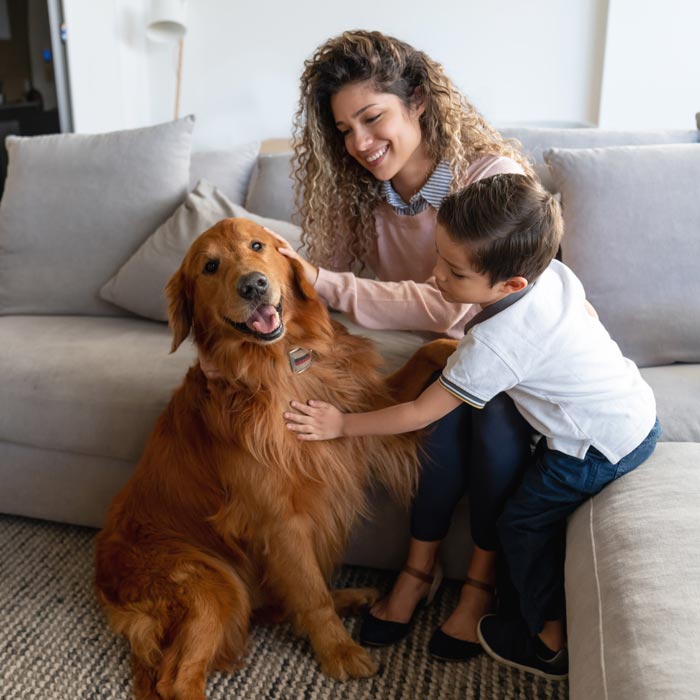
x=299, y=360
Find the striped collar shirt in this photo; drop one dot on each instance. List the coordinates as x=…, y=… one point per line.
x=430, y=195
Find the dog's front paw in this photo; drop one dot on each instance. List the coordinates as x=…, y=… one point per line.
x=352, y=601
x=348, y=660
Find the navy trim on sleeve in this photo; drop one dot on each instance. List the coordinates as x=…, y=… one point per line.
x=460, y=393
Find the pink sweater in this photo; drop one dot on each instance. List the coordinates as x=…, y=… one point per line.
x=404, y=295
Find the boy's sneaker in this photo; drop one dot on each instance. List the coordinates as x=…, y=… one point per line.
x=509, y=642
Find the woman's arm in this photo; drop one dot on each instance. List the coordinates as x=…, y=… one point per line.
x=318, y=420
x=401, y=306
x=405, y=305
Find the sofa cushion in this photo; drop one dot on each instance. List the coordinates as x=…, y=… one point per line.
x=139, y=285
x=536, y=140
x=631, y=218
x=229, y=170
x=633, y=583
x=271, y=190
x=76, y=206
x=677, y=391
x=92, y=385
x=56, y=485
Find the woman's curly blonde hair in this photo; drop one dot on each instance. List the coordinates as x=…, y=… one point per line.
x=335, y=195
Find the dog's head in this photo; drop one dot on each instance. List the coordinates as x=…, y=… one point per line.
x=234, y=283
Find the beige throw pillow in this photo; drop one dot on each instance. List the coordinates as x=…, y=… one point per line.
x=139, y=285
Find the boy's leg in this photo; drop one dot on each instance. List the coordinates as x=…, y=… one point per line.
x=533, y=524
x=533, y=532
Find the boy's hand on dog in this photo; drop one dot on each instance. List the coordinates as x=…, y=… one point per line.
x=317, y=421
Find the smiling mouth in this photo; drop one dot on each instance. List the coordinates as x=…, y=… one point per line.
x=265, y=323
x=377, y=156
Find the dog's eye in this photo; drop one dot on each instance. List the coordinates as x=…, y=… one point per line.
x=256, y=246
x=211, y=267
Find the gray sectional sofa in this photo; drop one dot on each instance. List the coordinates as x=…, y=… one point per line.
x=85, y=367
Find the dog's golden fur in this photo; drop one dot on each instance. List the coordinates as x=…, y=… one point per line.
x=227, y=513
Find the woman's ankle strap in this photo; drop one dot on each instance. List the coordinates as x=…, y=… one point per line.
x=420, y=575
x=481, y=585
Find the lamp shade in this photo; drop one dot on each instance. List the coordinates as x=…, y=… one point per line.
x=167, y=20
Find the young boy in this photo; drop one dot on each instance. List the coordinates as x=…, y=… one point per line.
x=536, y=338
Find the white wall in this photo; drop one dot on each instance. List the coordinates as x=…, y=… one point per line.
x=652, y=66
x=107, y=64
x=534, y=61
x=540, y=61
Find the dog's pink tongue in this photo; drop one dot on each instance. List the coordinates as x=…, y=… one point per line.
x=264, y=319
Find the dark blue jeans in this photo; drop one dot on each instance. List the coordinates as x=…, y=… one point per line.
x=480, y=451
x=532, y=527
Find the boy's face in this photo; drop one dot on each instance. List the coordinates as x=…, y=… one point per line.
x=459, y=282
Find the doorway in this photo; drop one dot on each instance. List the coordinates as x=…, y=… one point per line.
x=33, y=77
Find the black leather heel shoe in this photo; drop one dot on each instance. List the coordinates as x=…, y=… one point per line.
x=444, y=647
x=381, y=633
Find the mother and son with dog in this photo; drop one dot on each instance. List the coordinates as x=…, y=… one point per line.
x=397, y=171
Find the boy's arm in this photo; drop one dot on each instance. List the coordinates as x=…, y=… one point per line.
x=321, y=421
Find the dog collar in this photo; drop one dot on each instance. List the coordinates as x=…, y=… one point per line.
x=299, y=360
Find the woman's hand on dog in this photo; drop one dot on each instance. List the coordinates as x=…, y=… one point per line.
x=317, y=421
x=310, y=271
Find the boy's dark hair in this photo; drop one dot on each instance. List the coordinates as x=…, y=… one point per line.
x=510, y=223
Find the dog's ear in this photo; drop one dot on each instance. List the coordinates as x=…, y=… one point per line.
x=302, y=286
x=179, y=308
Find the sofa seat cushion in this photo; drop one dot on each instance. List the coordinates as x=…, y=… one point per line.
x=633, y=583
x=95, y=385
x=92, y=385
x=55, y=485
x=381, y=540
x=395, y=346
x=677, y=391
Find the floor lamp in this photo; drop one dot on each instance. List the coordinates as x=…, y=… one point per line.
x=167, y=24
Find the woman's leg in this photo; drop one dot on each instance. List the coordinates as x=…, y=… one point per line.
x=474, y=601
x=443, y=481
x=500, y=452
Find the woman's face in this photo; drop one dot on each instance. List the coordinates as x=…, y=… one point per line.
x=380, y=132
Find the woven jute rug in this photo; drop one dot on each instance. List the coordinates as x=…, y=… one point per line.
x=55, y=643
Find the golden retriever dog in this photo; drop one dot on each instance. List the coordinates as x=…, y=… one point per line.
x=228, y=514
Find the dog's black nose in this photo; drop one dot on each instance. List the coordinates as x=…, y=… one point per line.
x=253, y=285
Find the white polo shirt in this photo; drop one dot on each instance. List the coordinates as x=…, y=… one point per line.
x=565, y=374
